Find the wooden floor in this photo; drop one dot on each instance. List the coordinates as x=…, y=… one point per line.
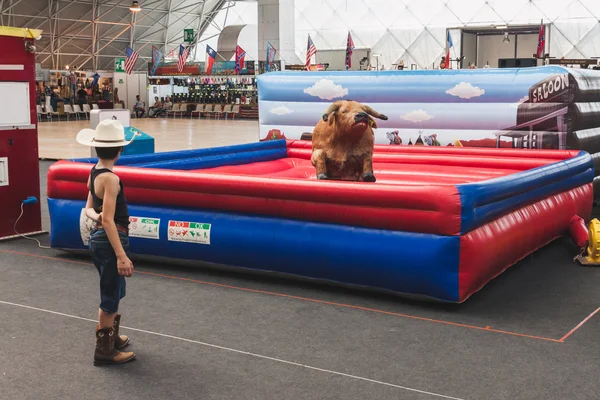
x=57, y=139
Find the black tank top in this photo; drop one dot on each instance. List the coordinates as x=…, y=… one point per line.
x=121, y=211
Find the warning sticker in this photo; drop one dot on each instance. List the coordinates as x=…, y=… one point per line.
x=189, y=232
x=142, y=227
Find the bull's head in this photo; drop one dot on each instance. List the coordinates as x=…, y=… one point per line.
x=351, y=116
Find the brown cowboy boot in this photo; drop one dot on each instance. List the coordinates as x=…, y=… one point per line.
x=121, y=341
x=106, y=353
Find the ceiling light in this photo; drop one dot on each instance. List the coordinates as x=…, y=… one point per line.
x=135, y=7
x=506, y=38
x=501, y=26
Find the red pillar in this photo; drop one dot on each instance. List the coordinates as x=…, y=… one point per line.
x=18, y=134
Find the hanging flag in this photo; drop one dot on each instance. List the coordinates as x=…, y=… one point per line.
x=156, y=57
x=183, y=54
x=240, y=55
x=310, y=51
x=132, y=57
x=211, y=56
x=271, y=51
x=349, y=48
x=541, y=41
x=449, y=44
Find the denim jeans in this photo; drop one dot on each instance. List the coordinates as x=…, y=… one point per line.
x=112, y=285
x=73, y=90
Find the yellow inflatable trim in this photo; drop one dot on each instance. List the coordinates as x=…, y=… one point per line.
x=20, y=32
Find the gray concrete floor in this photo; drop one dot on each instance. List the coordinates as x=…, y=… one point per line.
x=210, y=333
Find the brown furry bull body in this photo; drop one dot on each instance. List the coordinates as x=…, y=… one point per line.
x=342, y=142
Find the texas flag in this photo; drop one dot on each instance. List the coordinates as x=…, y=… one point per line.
x=211, y=55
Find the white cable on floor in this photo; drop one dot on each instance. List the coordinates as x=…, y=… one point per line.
x=26, y=237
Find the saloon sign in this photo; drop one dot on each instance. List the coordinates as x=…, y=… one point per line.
x=550, y=88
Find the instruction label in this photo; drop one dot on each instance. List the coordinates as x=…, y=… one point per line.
x=189, y=232
x=142, y=227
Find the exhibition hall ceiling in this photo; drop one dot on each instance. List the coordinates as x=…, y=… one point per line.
x=91, y=33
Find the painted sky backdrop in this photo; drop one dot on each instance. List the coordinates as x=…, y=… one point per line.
x=401, y=115
x=474, y=104
x=433, y=86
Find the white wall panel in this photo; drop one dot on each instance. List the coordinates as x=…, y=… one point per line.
x=491, y=48
x=526, y=45
x=469, y=50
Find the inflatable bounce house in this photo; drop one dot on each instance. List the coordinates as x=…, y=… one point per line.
x=475, y=170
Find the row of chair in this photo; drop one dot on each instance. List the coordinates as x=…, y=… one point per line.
x=181, y=109
x=207, y=110
x=69, y=110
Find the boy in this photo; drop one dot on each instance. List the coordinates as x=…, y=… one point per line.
x=109, y=241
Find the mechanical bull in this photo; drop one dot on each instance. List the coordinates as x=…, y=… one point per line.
x=342, y=142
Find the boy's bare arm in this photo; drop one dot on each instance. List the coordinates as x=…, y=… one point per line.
x=89, y=210
x=89, y=205
x=109, y=185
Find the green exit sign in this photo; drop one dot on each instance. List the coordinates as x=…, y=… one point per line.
x=120, y=64
x=188, y=35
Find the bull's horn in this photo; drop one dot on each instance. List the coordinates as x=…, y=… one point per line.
x=374, y=113
x=331, y=109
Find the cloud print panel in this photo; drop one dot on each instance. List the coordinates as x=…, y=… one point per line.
x=281, y=110
x=402, y=115
x=429, y=86
x=465, y=90
x=327, y=90
x=417, y=116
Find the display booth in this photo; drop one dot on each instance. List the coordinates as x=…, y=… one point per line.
x=19, y=164
x=193, y=91
x=55, y=90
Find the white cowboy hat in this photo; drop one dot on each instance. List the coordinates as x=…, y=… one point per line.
x=108, y=133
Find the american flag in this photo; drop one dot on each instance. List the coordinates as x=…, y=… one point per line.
x=183, y=55
x=311, y=51
x=132, y=57
x=349, y=48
